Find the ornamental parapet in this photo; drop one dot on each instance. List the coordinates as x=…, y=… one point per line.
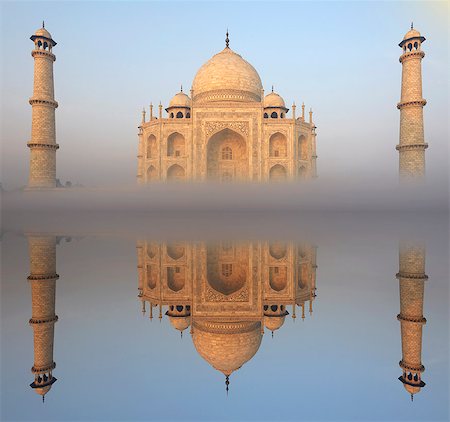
x=43, y=53
x=42, y=146
x=42, y=369
x=37, y=101
x=407, y=104
x=409, y=147
x=420, y=320
x=33, y=321
x=410, y=367
x=43, y=277
x=415, y=276
x=411, y=55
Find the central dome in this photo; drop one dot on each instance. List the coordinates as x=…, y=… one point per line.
x=227, y=77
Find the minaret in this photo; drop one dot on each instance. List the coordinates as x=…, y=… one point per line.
x=42, y=250
x=412, y=277
x=412, y=146
x=43, y=144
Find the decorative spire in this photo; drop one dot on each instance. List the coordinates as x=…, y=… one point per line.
x=272, y=334
x=43, y=397
x=181, y=90
x=227, y=40
x=412, y=25
x=412, y=396
x=181, y=334
x=43, y=26
x=272, y=88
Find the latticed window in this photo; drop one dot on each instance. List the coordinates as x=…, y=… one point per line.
x=227, y=269
x=227, y=153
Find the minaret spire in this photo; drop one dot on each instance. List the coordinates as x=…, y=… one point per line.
x=227, y=40
x=227, y=383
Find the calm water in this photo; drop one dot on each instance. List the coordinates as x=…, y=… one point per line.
x=157, y=324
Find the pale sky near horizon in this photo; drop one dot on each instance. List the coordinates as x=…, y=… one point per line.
x=113, y=58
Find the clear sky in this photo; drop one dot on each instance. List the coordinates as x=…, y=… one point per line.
x=113, y=58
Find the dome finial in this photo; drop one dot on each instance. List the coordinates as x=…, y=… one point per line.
x=412, y=25
x=272, y=88
x=43, y=398
x=181, y=90
x=272, y=334
x=181, y=334
x=227, y=40
x=43, y=24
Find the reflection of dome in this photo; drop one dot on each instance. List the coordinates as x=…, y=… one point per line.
x=273, y=323
x=180, y=100
x=43, y=390
x=227, y=77
x=411, y=389
x=274, y=100
x=226, y=346
x=180, y=323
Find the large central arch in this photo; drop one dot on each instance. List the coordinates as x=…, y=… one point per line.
x=227, y=156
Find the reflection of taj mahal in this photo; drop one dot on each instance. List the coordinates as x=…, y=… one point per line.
x=226, y=130
x=226, y=293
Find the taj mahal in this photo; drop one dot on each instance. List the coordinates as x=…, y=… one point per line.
x=226, y=130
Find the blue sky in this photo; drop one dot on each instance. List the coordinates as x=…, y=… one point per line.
x=341, y=58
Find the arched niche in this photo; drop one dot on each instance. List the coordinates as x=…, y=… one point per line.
x=175, y=250
x=218, y=162
x=152, y=148
x=303, y=275
x=151, y=174
x=152, y=276
x=278, y=145
x=277, y=250
x=152, y=249
x=175, y=173
x=176, y=145
x=176, y=278
x=227, y=273
x=277, y=173
x=277, y=278
x=302, y=148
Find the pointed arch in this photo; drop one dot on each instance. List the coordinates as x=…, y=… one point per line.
x=175, y=173
x=277, y=173
x=278, y=145
x=152, y=147
x=151, y=174
x=176, y=145
x=227, y=153
x=302, y=148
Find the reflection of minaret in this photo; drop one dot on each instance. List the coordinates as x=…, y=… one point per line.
x=411, y=276
x=43, y=278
